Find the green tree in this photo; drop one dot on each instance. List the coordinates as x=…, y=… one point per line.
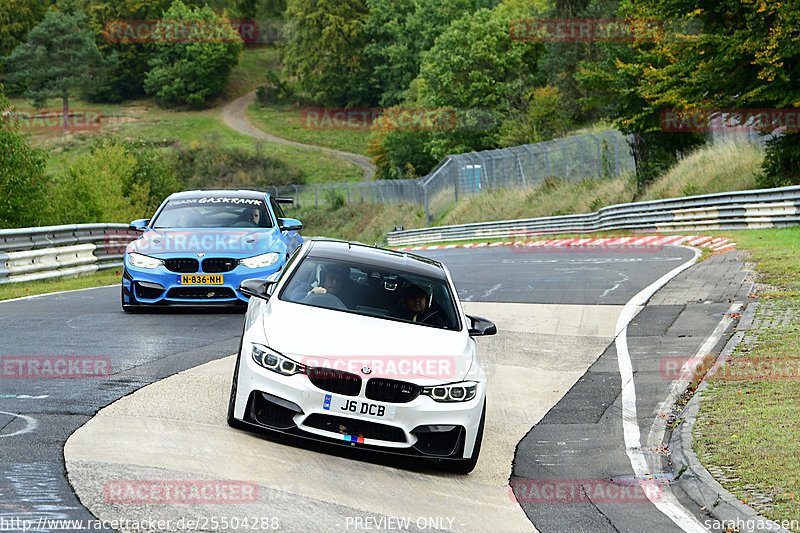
x=710, y=56
x=617, y=83
x=399, y=32
x=116, y=180
x=17, y=17
x=746, y=56
x=193, y=71
x=561, y=60
x=58, y=56
x=397, y=153
x=475, y=68
x=325, y=49
x=22, y=181
x=126, y=80
x=541, y=118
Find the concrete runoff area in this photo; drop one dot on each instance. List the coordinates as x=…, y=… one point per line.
x=175, y=429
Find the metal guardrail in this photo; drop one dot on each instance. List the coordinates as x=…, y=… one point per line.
x=28, y=254
x=765, y=208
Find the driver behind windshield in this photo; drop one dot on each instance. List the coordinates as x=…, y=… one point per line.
x=416, y=306
x=332, y=281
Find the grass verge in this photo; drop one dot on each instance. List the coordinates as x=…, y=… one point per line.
x=143, y=120
x=367, y=223
x=286, y=121
x=98, y=279
x=747, y=432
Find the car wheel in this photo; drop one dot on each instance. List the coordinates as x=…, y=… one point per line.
x=131, y=307
x=232, y=421
x=465, y=466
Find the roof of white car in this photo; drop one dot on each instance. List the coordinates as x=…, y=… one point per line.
x=379, y=257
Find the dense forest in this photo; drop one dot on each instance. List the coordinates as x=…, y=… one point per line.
x=504, y=70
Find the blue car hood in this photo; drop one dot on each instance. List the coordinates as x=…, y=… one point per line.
x=232, y=242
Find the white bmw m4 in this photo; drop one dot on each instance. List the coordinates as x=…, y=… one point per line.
x=363, y=347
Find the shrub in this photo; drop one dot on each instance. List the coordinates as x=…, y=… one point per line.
x=274, y=90
x=92, y=189
x=22, y=178
x=334, y=198
x=210, y=166
x=115, y=181
x=781, y=164
x=190, y=73
x=541, y=118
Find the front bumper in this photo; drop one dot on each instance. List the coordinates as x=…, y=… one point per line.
x=293, y=405
x=161, y=287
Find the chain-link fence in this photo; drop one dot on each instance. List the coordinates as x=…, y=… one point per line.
x=575, y=158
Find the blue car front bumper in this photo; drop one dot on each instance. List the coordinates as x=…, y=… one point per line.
x=161, y=286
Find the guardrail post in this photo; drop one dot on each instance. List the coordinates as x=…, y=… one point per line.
x=484, y=170
x=533, y=162
x=316, y=198
x=546, y=162
x=522, y=173
x=427, y=209
x=599, y=156
x=455, y=185
x=564, y=157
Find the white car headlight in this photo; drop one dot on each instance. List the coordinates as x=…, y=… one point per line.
x=272, y=360
x=260, y=261
x=452, y=392
x=144, y=261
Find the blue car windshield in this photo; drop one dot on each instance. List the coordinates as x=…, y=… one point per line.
x=213, y=213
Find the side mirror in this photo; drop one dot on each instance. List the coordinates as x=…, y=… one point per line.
x=480, y=326
x=289, y=224
x=139, y=224
x=260, y=288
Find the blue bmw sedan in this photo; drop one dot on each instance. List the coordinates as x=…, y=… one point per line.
x=200, y=245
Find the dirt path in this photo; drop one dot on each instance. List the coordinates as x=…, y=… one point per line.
x=234, y=115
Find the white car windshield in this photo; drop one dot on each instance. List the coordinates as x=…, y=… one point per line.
x=213, y=213
x=371, y=291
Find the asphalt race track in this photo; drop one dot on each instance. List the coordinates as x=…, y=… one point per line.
x=553, y=367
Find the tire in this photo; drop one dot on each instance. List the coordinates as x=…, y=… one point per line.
x=232, y=421
x=465, y=466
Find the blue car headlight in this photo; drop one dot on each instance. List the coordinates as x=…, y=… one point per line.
x=260, y=261
x=144, y=261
